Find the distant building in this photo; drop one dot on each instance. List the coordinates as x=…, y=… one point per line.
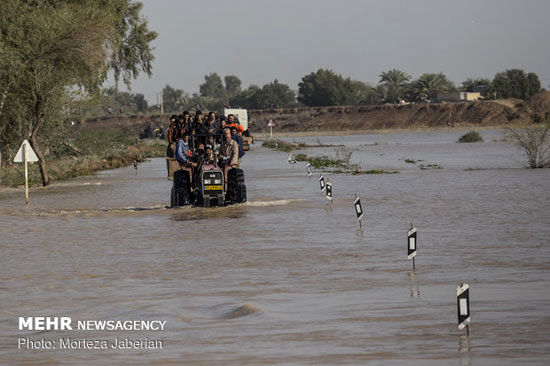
x=479, y=88
x=458, y=97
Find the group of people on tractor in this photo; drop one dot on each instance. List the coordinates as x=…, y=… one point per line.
x=196, y=135
x=196, y=141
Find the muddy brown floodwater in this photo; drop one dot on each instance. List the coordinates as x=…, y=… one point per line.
x=288, y=278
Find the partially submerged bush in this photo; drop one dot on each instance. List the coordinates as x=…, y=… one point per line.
x=374, y=171
x=343, y=155
x=301, y=157
x=535, y=142
x=324, y=162
x=472, y=136
x=281, y=145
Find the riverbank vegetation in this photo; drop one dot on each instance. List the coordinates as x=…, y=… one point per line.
x=339, y=164
x=281, y=145
x=472, y=136
x=86, y=153
x=53, y=70
x=534, y=140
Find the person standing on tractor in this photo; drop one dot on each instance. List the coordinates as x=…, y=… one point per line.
x=238, y=139
x=186, y=118
x=220, y=126
x=175, y=132
x=199, y=126
x=232, y=122
x=229, y=151
x=211, y=124
x=182, y=150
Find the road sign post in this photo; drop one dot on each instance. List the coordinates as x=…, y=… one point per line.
x=412, y=244
x=270, y=124
x=291, y=159
x=322, y=183
x=358, y=209
x=329, y=191
x=26, y=155
x=463, y=306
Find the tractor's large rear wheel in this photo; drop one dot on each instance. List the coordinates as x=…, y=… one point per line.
x=181, y=189
x=236, y=189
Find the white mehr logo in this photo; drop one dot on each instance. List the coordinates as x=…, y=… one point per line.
x=45, y=323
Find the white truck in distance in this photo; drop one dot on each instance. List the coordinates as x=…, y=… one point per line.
x=242, y=117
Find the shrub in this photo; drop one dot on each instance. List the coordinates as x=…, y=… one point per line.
x=535, y=142
x=281, y=145
x=472, y=136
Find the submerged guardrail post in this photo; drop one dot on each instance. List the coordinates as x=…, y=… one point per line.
x=463, y=306
x=291, y=159
x=322, y=183
x=358, y=209
x=329, y=191
x=412, y=244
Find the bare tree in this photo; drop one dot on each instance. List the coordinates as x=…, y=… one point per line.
x=534, y=139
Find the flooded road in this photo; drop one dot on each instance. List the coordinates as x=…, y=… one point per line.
x=288, y=278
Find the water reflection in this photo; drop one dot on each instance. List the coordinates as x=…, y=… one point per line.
x=414, y=289
x=464, y=349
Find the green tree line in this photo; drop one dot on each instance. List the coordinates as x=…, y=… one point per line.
x=325, y=88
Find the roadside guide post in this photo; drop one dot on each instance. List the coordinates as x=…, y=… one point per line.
x=322, y=183
x=329, y=191
x=308, y=167
x=291, y=159
x=463, y=306
x=412, y=244
x=358, y=209
x=270, y=124
x=26, y=155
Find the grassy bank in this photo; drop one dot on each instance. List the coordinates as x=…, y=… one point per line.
x=285, y=146
x=339, y=164
x=88, y=152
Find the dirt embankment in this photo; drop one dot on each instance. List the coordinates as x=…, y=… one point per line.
x=136, y=124
x=354, y=118
x=482, y=114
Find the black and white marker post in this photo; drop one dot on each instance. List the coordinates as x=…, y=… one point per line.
x=411, y=245
x=322, y=183
x=463, y=306
x=329, y=191
x=291, y=159
x=308, y=167
x=358, y=209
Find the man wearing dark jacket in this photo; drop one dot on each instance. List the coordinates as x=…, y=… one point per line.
x=238, y=139
x=175, y=132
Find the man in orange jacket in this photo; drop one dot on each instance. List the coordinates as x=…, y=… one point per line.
x=232, y=122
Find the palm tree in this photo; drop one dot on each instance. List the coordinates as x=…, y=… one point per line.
x=428, y=86
x=395, y=82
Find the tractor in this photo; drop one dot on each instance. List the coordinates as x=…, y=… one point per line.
x=207, y=184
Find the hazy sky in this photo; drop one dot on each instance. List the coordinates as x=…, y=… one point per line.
x=261, y=40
